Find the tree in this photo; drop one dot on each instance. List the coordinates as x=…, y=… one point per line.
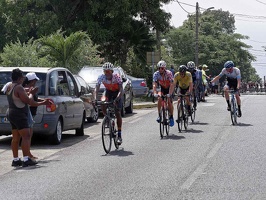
x=71, y=51
x=217, y=43
x=24, y=54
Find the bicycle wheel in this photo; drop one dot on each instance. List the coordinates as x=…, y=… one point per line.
x=162, y=114
x=166, y=122
x=114, y=133
x=185, y=116
x=233, y=112
x=106, y=135
x=193, y=114
x=179, y=117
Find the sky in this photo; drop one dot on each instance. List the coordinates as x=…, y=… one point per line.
x=250, y=20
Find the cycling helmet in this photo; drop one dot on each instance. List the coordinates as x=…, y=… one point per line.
x=182, y=68
x=161, y=63
x=229, y=64
x=108, y=66
x=191, y=65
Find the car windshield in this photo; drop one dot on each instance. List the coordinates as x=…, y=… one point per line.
x=92, y=74
x=6, y=77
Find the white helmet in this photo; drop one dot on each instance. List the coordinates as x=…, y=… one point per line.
x=191, y=65
x=108, y=66
x=161, y=63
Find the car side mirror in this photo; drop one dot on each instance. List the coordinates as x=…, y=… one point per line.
x=82, y=90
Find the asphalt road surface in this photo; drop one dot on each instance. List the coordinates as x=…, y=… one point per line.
x=211, y=160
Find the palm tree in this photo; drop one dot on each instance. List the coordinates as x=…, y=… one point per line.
x=66, y=51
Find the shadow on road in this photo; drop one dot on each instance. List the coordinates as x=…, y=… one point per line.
x=120, y=152
x=174, y=137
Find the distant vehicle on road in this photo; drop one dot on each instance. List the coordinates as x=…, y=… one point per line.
x=139, y=86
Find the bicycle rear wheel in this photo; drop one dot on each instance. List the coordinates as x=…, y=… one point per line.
x=106, y=135
x=179, y=117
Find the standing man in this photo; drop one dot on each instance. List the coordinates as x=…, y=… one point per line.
x=164, y=78
x=113, y=91
x=233, y=82
x=204, y=81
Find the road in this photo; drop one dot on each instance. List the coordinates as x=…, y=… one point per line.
x=211, y=160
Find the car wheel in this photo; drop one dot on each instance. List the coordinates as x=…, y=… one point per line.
x=129, y=109
x=80, y=130
x=95, y=115
x=57, y=136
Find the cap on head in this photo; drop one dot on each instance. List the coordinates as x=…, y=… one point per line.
x=32, y=76
x=204, y=66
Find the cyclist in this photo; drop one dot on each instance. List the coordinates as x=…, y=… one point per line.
x=192, y=69
x=184, y=80
x=113, y=91
x=164, y=78
x=233, y=81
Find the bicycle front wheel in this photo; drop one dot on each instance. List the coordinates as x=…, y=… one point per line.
x=114, y=133
x=166, y=122
x=179, y=117
x=233, y=113
x=162, y=114
x=185, y=116
x=106, y=135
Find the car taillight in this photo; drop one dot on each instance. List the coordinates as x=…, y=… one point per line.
x=51, y=107
x=143, y=84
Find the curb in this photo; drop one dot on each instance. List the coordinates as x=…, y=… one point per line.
x=144, y=105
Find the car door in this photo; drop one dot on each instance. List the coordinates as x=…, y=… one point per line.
x=126, y=86
x=77, y=107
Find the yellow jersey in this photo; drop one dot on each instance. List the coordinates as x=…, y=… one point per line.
x=183, y=82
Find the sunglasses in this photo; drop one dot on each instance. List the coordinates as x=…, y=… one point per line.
x=161, y=68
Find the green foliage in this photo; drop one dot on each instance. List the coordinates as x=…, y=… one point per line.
x=24, y=54
x=217, y=43
x=72, y=52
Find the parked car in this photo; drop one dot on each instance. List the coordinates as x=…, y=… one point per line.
x=139, y=86
x=67, y=112
x=91, y=74
x=86, y=94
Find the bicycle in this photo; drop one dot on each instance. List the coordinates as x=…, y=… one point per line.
x=109, y=130
x=182, y=113
x=234, y=108
x=164, y=116
x=193, y=101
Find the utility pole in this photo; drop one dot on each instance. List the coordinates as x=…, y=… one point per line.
x=197, y=36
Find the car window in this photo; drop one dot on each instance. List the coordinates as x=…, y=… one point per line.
x=84, y=84
x=4, y=78
x=41, y=83
x=71, y=81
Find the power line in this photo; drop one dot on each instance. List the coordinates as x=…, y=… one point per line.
x=261, y=2
x=183, y=8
